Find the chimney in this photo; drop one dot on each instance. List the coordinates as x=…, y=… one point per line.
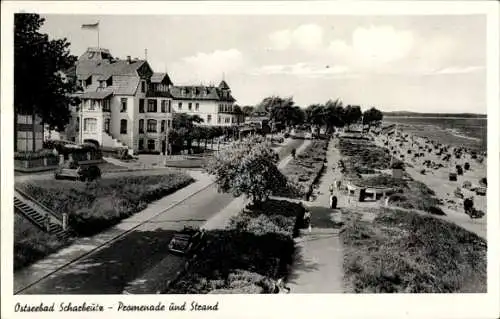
x=129, y=59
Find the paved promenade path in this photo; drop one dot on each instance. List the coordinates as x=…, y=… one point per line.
x=318, y=262
x=107, y=262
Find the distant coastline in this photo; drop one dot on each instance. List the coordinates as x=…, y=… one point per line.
x=433, y=117
x=406, y=114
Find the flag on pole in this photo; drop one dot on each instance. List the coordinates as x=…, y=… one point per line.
x=92, y=26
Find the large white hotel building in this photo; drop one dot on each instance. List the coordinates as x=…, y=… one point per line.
x=125, y=104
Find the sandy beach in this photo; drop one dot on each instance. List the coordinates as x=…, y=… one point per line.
x=438, y=179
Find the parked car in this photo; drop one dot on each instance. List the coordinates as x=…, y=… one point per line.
x=81, y=173
x=186, y=241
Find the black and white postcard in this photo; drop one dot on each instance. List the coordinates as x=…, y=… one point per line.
x=199, y=159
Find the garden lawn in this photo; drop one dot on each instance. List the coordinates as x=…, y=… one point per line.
x=405, y=252
x=32, y=244
x=247, y=257
x=94, y=206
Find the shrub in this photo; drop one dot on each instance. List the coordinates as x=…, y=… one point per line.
x=403, y=252
x=43, y=153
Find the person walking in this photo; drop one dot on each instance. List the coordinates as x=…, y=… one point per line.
x=333, y=201
x=307, y=220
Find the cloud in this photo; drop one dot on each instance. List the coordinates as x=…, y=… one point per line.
x=281, y=40
x=302, y=69
x=373, y=46
x=306, y=37
x=207, y=67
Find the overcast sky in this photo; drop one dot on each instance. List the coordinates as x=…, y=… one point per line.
x=414, y=63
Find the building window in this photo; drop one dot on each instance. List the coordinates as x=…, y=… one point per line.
x=106, y=105
x=190, y=106
x=141, y=126
x=152, y=126
x=227, y=120
x=109, y=82
x=163, y=126
x=88, y=81
x=218, y=120
x=107, y=123
x=123, y=126
x=197, y=106
x=220, y=107
x=92, y=105
x=102, y=84
x=209, y=118
x=169, y=123
x=141, y=144
x=164, y=106
x=90, y=125
x=180, y=105
x=77, y=124
x=151, y=145
x=143, y=87
x=141, y=105
x=169, y=106
x=152, y=107
x=123, y=105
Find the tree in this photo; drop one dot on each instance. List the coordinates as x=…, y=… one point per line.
x=183, y=120
x=247, y=110
x=239, y=113
x=334, y=114
x=352, y=114
x=183, y=125
x=371, y=117
x=40, y=85
x=297, y=116
x=315, y=115
x=248, y=168
x=279, y=109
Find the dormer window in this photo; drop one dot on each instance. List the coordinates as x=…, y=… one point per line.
x=88, y=81
x=143, y=86
x=102, y=84
x=109, y=82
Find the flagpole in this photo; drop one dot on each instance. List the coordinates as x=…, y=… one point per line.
x=98, y=44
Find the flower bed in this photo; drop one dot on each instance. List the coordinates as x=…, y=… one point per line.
x=304, y=171
x=95, y=206
x=364, y=157
x=247, y=257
